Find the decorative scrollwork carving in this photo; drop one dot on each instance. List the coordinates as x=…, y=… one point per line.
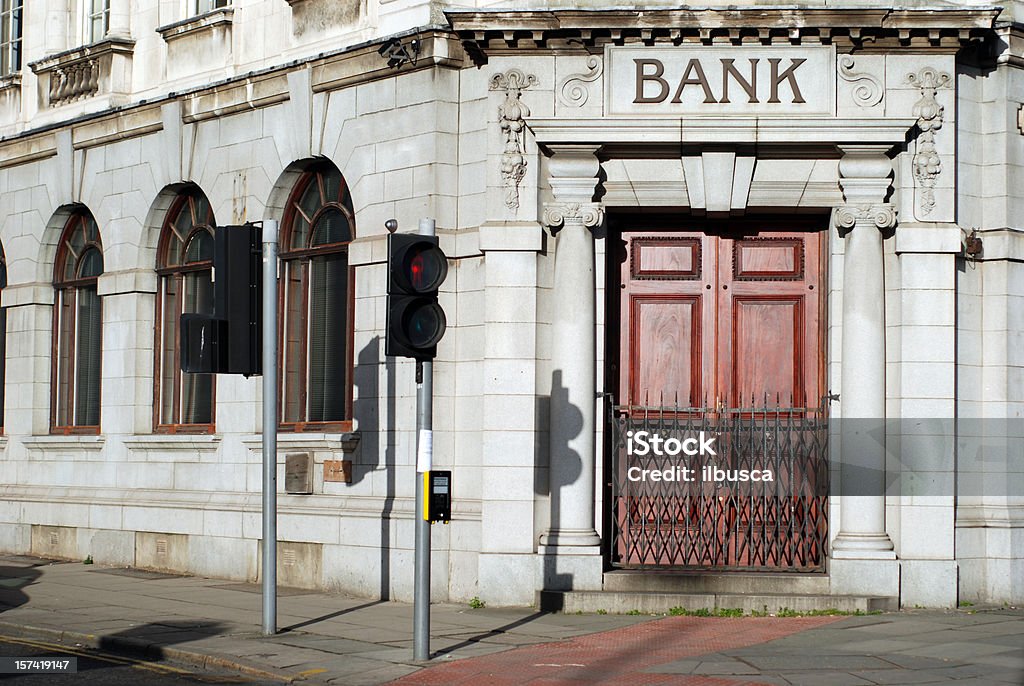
x=882, y=216
x=867, y=90
x=573, y=91
x=512, y=115
x=587, y=214
x=927, y=163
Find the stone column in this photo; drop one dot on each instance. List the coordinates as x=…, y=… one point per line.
x=573, y=170
x=865, y=179
x=120, y=19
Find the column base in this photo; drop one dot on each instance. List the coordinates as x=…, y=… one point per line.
x=572, y=568
x=877, y=577
x=572, y=538
x=863, y=547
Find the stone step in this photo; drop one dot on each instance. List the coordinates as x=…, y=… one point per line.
x=661, y=602
x=705, y=582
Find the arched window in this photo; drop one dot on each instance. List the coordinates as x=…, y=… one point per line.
x=77, y=328
x=183, y=402
x=317, y=304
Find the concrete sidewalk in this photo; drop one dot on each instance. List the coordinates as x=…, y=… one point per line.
x=333, y=639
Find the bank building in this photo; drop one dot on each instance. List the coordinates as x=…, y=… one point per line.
x=796, y=227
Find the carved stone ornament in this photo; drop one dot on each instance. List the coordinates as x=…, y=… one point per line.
x=867, y=90
x=882, y=216
x=927, y=163
x=512, y=115
x=573, y=91
x=587, y=214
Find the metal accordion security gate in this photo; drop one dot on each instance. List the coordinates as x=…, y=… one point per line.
x=716, y=510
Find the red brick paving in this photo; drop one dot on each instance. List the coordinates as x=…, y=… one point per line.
x=620, y=656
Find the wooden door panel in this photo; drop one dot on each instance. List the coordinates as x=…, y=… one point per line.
x=666, y=259
x=767, y=351
x=666, y=313
x=665, y=353
x=768, y=259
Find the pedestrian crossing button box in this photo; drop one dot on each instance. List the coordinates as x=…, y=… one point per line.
x=438, y=501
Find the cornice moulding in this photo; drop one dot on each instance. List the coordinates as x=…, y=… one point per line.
x=208, y=21
x=720, y=130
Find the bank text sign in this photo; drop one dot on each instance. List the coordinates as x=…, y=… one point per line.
x=720, y=80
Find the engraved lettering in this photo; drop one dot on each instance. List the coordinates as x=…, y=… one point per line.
x=701, y=80
x=788, y=75
x=749, y=86
x=642, y=77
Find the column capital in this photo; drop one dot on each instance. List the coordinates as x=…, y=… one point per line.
x=572, y=173
x=556, y=214
x=864, y=173
x=883, y=216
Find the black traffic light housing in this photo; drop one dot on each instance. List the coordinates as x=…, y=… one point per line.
x=230, y=340
x=416, y=269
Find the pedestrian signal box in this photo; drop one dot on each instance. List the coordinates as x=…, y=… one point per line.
x=437, y=501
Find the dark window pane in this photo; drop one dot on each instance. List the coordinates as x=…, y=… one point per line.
x=293, y=357
x=197, y=389
x=65, y=331
x=87, y=383
x=90, y=264
x=328, y=308
x=200, y=247
x=331, y=227
x=170, y=309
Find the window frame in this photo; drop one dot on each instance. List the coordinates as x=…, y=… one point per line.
x=12, y=18
x=74, y=286
x=164, y=272
x=196, y=6
x=89, y=15
x=317, y=174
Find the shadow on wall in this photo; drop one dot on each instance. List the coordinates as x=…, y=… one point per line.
x=13, y=580
x=367, y=413
x=565, y=467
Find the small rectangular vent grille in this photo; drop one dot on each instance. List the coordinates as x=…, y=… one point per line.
x=161, y=546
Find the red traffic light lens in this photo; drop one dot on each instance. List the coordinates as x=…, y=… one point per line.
x=427, y=268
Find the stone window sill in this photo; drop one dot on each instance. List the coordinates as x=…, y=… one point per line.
x=72, y=442
x=204, y=23
x=204, y=443
x=344, y=442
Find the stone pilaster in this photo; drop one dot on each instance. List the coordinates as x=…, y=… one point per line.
x=571, y=544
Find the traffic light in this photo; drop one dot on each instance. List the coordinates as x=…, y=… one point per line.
x=229, y=340
x=416, y=269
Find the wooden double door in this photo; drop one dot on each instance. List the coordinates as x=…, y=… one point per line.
x=717, y=328
x=721, y=316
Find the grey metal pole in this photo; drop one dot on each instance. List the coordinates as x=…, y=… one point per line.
x=269, y=427
x=424, y=463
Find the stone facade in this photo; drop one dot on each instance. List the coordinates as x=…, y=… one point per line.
x=519, y=132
